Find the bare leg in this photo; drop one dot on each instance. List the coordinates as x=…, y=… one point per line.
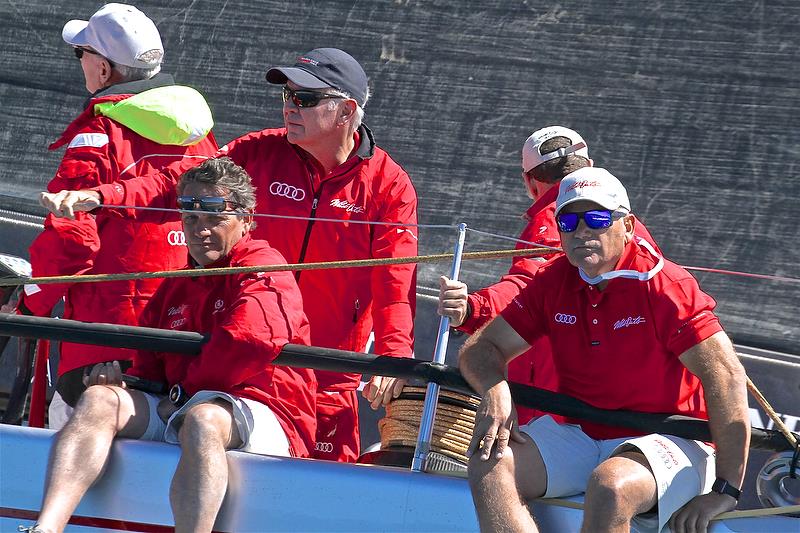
x=201, y=478
x=621, y=487
x=501, y=488
x=81, y=448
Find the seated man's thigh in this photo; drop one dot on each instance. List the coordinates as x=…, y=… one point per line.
x=567, y=453
x=521, y=460
x=128, y=409
x=682, y=469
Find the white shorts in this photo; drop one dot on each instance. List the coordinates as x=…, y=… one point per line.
x=682, y=468
x=259, y=428
x=58, y=413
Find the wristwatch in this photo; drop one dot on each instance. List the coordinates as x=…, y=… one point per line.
x=721, y=486
x=177, y=395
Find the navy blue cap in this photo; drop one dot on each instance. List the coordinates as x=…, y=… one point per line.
x=323, y=68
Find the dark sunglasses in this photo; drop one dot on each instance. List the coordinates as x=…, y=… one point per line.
x=80, y=51
x=595, y=219
x=306, y=97
x=213, y=204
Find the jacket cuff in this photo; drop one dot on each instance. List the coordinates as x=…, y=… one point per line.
x=110, y=193
x=471, y=322
x=33, y=306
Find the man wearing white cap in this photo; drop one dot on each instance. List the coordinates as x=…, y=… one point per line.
x=548, y=155
x=135, y=122
x=341, y=196
x=631, y=331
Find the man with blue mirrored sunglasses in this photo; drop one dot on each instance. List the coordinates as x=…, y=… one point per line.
x=548, y=155
x=629, y=330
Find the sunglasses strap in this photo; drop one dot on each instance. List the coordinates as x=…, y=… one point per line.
x=632, y=274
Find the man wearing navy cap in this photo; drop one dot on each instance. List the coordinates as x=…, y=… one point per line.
x=324, y=164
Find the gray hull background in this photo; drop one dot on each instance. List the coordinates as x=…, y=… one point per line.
x=694, y=107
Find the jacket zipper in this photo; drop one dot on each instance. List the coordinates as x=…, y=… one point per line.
x=307, y=237
x=356, y=306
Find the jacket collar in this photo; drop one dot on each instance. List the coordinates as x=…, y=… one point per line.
x=543, y=202
x=109, y=94
x=628, y=260
x=132, y=87
x=228, y=260
x=365, y=149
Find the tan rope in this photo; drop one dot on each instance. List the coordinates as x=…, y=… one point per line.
x=434, y=258
x=750, y=513
x=762, y=401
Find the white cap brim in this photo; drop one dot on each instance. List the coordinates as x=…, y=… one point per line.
x=74, y=32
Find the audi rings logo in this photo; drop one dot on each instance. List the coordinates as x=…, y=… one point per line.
x=176, y=238
x=287, y=191
x=562, y=318
x=324, y=447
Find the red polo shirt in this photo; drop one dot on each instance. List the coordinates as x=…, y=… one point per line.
x=619, y=348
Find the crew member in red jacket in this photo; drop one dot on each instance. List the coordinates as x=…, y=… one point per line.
x=324, y=166
x=548, y=155
x=230, y=395
x=136, y=121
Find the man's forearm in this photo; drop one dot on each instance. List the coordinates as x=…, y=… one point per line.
x=481, y=364
x=729, y=424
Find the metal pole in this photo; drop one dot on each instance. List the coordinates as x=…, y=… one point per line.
x=432, y=394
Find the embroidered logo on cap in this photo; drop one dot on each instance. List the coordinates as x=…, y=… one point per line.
x=583, y=183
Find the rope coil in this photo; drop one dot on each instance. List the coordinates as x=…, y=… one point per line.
x=452, y=429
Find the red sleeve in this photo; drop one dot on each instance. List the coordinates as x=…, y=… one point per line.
x=247, y=336
x=156, y=189
x=69, y=247
x=65, y=247
x=487, y=303
x=151, y=190
x=525, y=312
x=394, y=287
x=684, y=314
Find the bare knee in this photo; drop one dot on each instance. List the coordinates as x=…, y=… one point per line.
x=619, y=488
x=606, y=487
x=99, y=404
x=206, y=423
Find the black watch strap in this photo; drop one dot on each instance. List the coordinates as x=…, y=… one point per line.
x=721, y=486
x=177, y=395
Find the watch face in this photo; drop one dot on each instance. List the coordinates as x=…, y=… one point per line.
x=175, y=394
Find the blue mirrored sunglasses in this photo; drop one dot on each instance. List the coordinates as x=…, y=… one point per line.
x=214, y=204
x=595, y=219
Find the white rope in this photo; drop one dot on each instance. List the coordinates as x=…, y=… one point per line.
x=287, y=217
x=513, y=239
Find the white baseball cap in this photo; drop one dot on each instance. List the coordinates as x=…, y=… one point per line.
x=532, y=157
x=593, y=184
x=119, y=32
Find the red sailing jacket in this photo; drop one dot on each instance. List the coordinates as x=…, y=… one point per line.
x=534, y=367
x=343, y=304
x=101, y=150
x=248, y=318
